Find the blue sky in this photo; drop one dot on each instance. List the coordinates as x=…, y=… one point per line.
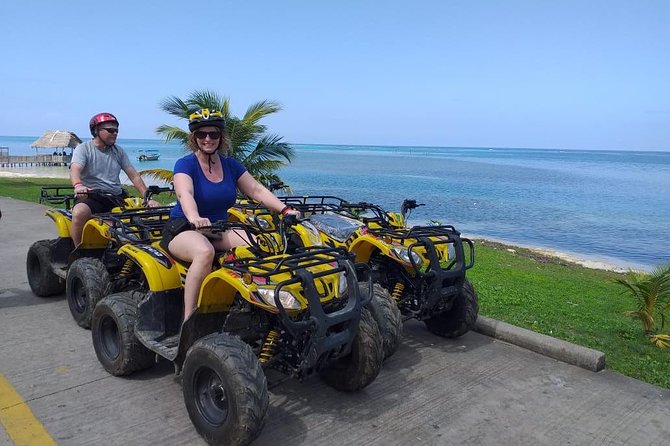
x=508, y=73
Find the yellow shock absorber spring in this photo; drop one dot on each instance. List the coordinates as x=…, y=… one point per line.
x=127, y=268
x=397, y=291
x=269, y=346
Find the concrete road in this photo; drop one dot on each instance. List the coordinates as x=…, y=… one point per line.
x=471, y=391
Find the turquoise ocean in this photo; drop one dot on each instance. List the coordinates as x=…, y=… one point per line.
x=602, y=205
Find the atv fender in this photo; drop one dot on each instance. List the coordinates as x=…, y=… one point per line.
x=363, y=247
x=159, y=269
x=307, y=237
x=219, y=289
x=132, y=202
x=95, y=234
x=62, y=219
x=236, y=215
x=396, y=219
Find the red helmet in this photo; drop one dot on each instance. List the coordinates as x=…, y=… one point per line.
x=99, y=119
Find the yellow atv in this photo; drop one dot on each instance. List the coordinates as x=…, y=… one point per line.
x=302, y=233
x=299, y=314
x=89, y=272
x=422, y=267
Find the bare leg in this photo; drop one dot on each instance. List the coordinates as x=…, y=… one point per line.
x=193, y=247
x=81, y=213
x=231, y=239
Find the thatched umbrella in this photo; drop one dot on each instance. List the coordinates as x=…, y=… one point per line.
x=56, y=139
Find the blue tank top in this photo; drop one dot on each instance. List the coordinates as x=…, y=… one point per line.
x=213, y=199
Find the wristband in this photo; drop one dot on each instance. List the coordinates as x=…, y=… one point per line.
x=285, y=210
x=77, y=184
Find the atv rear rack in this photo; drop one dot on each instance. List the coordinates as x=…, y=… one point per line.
x=321, y=204
x=55, y=195
x=328, y=200
x=137, y=226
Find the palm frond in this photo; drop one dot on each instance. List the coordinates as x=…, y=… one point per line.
x=174, y=106
x=262, y=154
x=163, y=175
x=270, y=147
x=205, y=99
x=261, y=167
x=652, y=295
x=268, y=179
x=259, y=110
x=660, y=340
x=172, y=133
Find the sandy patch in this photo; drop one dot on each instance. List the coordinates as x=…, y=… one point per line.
x=35, y=172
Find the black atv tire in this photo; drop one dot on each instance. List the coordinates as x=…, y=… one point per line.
x=43, y=282
x=113, y=332
x=86, y=283
x=225, y=390
x=363, y=364
x=460, y=318
x=388, y=317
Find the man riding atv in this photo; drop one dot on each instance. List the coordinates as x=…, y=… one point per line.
x=87, y=272
x=96, y=164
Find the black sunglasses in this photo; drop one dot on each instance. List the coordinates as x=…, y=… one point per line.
x=212, y=135
x=110, y=129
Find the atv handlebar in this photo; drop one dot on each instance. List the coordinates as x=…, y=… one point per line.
x=155, y=190
x=276, y=186
x=407, y=205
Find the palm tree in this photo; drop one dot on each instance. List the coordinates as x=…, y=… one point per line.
x=652, y=294
x=260, y=152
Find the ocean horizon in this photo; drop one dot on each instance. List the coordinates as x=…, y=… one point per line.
x=609, y=206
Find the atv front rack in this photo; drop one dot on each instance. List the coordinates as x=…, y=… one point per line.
x=442, y=278
x=430, y=237
x=297, y=265
x=304, y=258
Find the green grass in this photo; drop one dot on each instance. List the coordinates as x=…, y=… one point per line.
x=541, y=293
x=28, y=189
x=567, y=301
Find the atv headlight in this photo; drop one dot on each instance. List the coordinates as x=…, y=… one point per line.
x=286, y=298
x=312, y=234
x=261, y=222
x=403, y=253
x=451, y=251
x=343, y=285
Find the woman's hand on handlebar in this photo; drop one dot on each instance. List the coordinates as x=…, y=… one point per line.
x=293, y=212
x=152, y=204
x=292, y=217
x=200, y=222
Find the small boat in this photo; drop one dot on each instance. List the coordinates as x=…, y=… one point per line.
x=149, y=155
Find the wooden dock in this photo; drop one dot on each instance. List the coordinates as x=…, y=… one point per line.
x=34, y=160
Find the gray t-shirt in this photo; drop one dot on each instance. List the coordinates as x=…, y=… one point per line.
x=101, y=168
